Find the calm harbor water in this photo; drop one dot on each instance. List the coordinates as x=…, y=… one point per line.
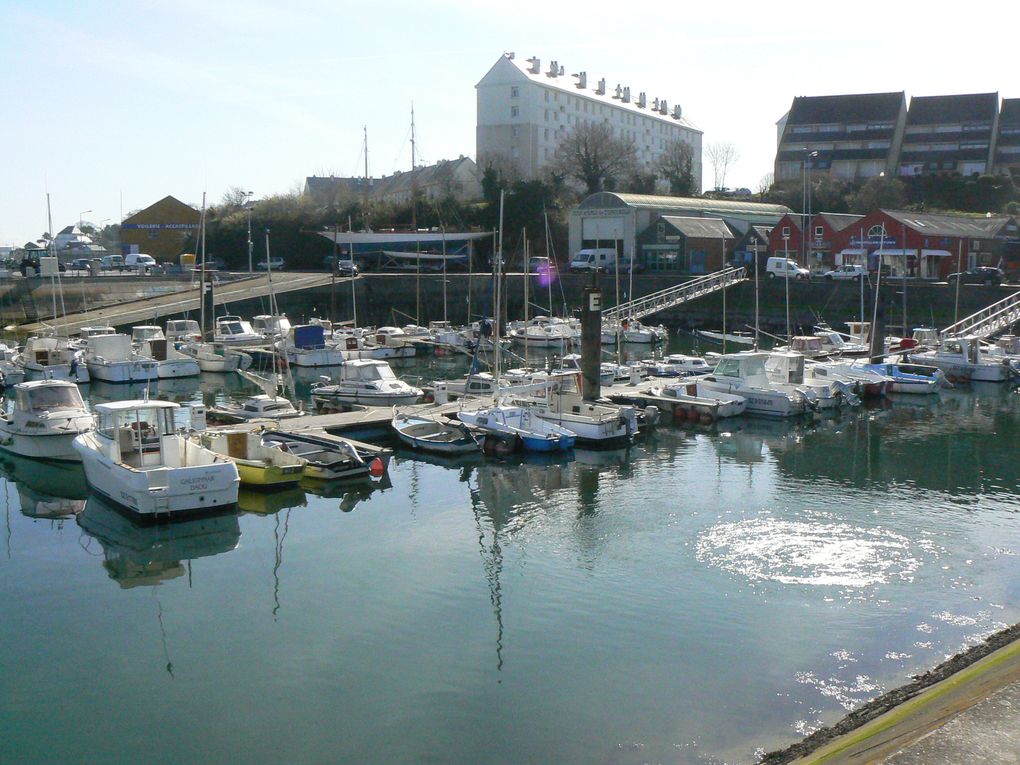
x=697, y=596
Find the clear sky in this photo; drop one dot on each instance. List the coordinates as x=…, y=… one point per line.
x=109, y=106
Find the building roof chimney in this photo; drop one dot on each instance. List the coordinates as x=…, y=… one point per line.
x=601, y=89
x=554, y=69
x=626, y=95
x=582, y=79
x=619, y=91
x=536, y=65
x=642, y=100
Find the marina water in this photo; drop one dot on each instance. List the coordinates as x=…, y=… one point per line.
x=705, y=593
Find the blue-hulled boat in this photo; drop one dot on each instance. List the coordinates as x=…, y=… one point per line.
x=909, y=378
x=517, y=425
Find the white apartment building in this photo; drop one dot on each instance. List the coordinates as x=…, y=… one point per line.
x=525, y=112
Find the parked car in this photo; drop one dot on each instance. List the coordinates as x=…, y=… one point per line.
x=275, y=263
x=344, y=266
x=80, y=264
x=855, y=271
x=987, y=275
x=112, y=263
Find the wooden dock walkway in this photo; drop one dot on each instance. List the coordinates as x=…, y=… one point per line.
x=181, y=301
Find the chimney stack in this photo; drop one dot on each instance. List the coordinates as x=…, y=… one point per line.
x=536, y=65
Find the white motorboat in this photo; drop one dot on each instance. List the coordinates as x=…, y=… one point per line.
x=356, y=346
x=11, y=370
x=86, y=333
x=369, y=382
x=305, y=346
x=836, y=344
x=571, y=363
x=136, y=460
x=633, y=331
x=53, y=358
x=786, y=371
x=271, y=327
x=592, y=423
x=962, y=360
x=865, y=381
x=745, y=375
x=43, y=420
x=689, y=400
x=908, y=378
x=510, y=427
x=478, y=384
x=183, y=331
x=233, y=330
x=432, y=435
x=216, y=357
x=677, y=365
x=259, y=407
x=170, y=362
x=546, y=332
x=110, y=358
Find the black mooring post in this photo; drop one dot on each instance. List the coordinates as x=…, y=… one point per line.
x=208, y=303
x=591, y=340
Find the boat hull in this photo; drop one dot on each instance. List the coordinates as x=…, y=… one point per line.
x=80, y=374
x=58, y=447
x=123, y=371
x=160, y=494
x=264, y=476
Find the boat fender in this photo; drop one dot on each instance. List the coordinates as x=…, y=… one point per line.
x=652, y=416
x=692, y=415
x=376, y=468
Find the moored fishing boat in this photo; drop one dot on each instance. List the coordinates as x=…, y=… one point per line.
x=44, y=419
x=745, y=375
x=136, y=459
x=962, y=360
x=53, y=358
x=261, y=406
x=517, y=427
x=689, y=400
x=909, y=378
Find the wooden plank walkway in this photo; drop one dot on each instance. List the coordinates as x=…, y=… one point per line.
x=186, y=299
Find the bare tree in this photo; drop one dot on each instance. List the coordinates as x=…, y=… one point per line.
x=676, y=165
x=235, y=196
x=765, y=184
x=592, y=155
x=722, y=155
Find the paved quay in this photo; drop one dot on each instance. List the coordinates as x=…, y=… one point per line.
x=970, y=716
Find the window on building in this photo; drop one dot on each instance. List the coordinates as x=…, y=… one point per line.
x=786, y=232
x=819, y=232
x=515, y=111
x=876, y=232
x=975, y=244
x=513, y=131
x=515, y=92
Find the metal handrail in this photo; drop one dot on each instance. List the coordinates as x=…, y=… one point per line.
x=988, y=320
x=673, y=296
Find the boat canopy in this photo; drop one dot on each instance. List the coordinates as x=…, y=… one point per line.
x=49, y=396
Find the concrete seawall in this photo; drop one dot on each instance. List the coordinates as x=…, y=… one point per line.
x=393, y=298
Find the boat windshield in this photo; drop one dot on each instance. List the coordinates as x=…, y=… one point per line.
x=47, y=399
x=149, y=423
x=231, y=328
x=376, y=372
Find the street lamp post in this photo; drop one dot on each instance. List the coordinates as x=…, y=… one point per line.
x=248, y=195
x=808, y=235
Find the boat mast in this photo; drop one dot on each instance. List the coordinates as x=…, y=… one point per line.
x=524, y=235
x=364, y=211
x=414, y=180
x=444, y=274
x=496, y=312
x=201, y=273
x=51, y=244
x=350, y=254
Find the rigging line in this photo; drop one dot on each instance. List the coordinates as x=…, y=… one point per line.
x=400, y=151
x=162, y=632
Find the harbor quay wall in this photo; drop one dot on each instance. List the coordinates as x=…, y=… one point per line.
x=401, y=298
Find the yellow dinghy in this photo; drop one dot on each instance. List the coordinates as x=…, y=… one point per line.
x=257, y=465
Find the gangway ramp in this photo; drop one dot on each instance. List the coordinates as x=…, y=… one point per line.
x=184, y=300
x=989, y=321
x=674, y=296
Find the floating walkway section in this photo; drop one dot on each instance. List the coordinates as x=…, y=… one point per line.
x=988, y=321
x=181, y=301
x=674, y=296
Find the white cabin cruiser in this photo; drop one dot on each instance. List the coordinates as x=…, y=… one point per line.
x=44, y=419
x=745, y=375
x=962, y=359
x=271, y=327
x=233, y=330
x=183, y=330
x=633, y=331
x=216, y=357
x=592, y=423
x=786, y=370
x=149, y=341
x=677, y=365
x=546, y=332
x=259, y=407
x=11, y=370
x=368, y=382
x=690, y=400
x=53, y=358
x=136, y=460
x=110, y=358
x=305, y=346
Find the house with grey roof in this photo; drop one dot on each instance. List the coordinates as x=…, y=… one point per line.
x=687, y=245
x=948, y=135
x=458, y=178
x=847, y=137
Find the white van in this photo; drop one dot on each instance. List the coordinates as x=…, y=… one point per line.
x=590, y=260
x=786, y=268
x=139, y=261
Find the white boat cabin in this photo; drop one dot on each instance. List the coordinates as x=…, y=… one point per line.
x=183, y=329
x=135, y=434
x=786, y=367
x=146, y=333
x=748, y=367
x=271, y=326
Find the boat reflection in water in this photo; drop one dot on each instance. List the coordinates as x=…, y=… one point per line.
x=135, y=555
x=46, y=489
x=269, y=502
